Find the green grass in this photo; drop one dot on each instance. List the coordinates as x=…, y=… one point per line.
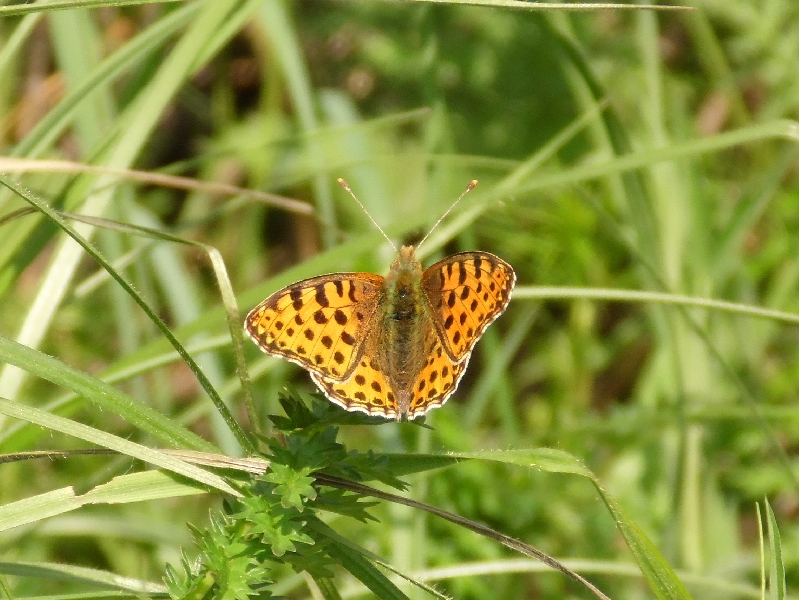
x=633, y=414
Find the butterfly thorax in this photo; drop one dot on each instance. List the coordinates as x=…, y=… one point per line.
x=405, y=325
x=403, y=287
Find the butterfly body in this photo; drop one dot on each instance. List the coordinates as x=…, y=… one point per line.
x=406, y=324
x=395, y=346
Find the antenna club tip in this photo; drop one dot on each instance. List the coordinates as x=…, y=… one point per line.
x=471, y=185
x=343, y=183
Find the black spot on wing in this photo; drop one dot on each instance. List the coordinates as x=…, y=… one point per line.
x=321, y=296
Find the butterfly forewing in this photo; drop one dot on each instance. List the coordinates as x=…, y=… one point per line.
x=319, y=323
x=466, y=292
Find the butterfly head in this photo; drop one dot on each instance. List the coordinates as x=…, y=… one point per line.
x=405, y=276
x=406, y=260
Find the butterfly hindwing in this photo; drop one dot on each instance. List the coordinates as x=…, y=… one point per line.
x=437, y=381
x=366, y=390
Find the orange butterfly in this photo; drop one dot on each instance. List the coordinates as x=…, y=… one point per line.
x=395, y=346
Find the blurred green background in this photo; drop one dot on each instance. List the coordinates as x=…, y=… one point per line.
x=629, y=150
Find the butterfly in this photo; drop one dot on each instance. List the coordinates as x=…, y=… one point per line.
x=395, y=347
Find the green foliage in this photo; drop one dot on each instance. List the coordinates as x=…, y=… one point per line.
x=638, y=168
x=776, y=566
x=279, y=514
x=291, y=485
x=276, y=520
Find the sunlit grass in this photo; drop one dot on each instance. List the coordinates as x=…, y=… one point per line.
x=637, y=168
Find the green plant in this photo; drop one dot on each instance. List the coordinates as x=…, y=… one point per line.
x=638, y=170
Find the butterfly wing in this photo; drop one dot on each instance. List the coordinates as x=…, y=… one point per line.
x=466, y=292
x=437, y=380
x=328, y=325
x=319, y=323
x=367, y=389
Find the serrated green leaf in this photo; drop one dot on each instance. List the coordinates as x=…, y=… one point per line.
x=292, y=486
x=275, y=525
x=344, y=503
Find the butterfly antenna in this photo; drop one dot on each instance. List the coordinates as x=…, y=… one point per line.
x=346, y=186
x=468, y=189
